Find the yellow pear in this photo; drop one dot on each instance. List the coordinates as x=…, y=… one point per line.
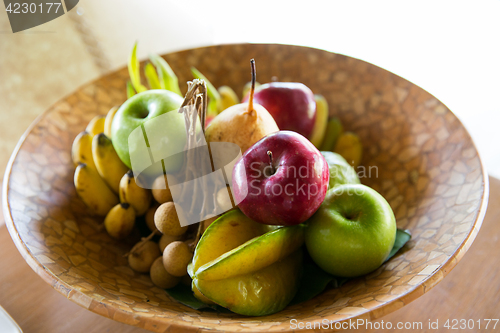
x=243, y=124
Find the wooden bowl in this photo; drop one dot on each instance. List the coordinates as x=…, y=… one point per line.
x=428, y=170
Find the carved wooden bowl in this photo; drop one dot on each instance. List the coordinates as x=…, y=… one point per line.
x=428, y=170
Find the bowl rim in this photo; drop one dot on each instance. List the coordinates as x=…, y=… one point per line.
x=86, y=301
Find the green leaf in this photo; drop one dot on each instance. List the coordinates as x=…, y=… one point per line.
x=134, y=70
x=168, y=79
x=184, y=295
x=130, y=90
x=151, y=76
x=315, y=280
x=213, y=94
x=402, y=237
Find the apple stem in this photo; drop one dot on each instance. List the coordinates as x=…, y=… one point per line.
x=252, y=89
x=270, y=154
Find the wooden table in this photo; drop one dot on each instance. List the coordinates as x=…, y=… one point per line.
x=470, y=291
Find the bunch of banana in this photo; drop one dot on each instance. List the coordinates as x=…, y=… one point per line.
x=98, y=168
x=97, y=165
x=103, y=181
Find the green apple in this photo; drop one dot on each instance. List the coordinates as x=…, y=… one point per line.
x=248, y=267
x=168, y=139
x=340, y=171
x=353, y=231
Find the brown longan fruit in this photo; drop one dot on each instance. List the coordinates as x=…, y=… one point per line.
x=142, y=256
x=176, y=258
x=167, y=239
x=161, y=191
x=150, y=217
x=160, y=277
x=167, y=220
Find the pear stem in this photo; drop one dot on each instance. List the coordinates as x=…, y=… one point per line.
x=270, y=154
x=252, y=89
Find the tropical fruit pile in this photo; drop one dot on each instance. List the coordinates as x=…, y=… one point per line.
x=293, y=205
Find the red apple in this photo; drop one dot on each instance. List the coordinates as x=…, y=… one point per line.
x=280, y=180
x=291, y=104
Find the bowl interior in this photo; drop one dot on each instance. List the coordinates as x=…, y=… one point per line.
x=416, y=154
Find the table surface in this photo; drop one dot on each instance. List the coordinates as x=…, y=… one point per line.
x=470, y=291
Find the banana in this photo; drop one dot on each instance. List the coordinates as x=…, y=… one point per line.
x=93, y=190
x=349, y=147
x=227, y=98
x=108, y=164
x=321, y=121
x=333, y=131
x=247, y=86
x=96, y=125
x=109, y=120
x=81, y=150
x=120, y=220
x=139, y=198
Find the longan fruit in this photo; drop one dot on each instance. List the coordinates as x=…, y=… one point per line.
x=150, y=217
x=142, y=256
x=167, y=220
x=160, y=189
x=176, y=258
x=160, y=276
x=167, y=239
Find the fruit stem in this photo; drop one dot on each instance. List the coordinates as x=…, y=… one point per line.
x=139, y=245
x=252, y=89
x=270, y=154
